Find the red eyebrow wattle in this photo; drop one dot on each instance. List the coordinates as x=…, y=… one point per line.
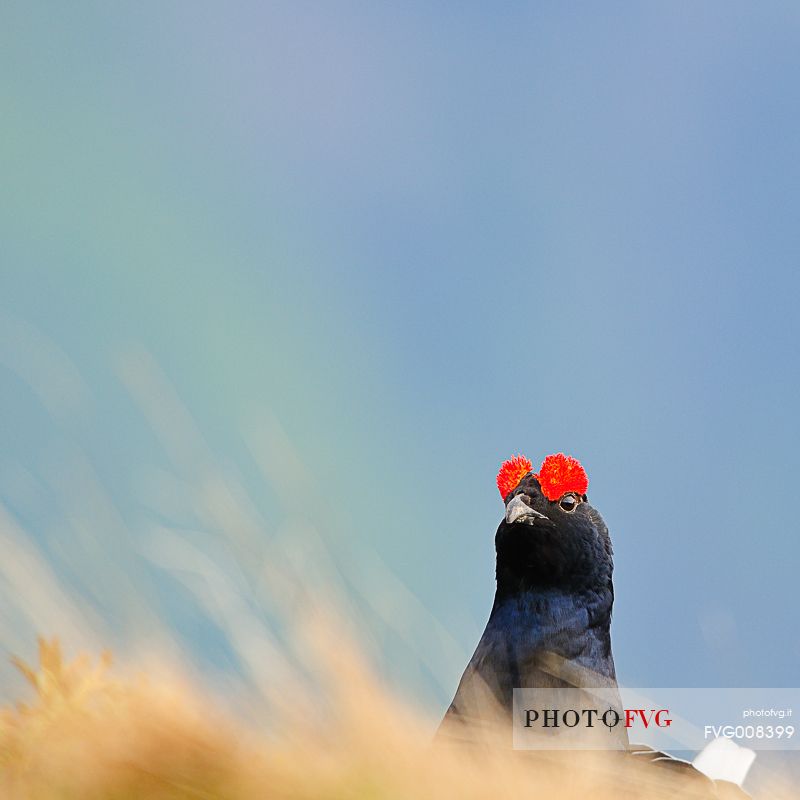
x=560, y=474
x=511, y=473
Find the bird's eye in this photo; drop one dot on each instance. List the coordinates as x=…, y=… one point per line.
x=569, y=502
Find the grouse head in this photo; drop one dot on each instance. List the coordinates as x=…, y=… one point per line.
x=550, y=536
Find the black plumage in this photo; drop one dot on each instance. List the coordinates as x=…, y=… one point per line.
x=550, y=623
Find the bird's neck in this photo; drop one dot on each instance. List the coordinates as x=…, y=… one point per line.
x=587, y=607
x=555, y=629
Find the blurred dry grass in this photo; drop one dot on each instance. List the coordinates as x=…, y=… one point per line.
x=88, y=735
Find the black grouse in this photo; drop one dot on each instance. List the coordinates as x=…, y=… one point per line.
x=550, y=624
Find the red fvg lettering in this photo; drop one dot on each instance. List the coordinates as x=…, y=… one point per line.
x=652, y=716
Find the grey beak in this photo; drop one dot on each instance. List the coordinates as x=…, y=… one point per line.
x=517, y=509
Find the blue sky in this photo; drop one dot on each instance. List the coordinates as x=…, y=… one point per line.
x=423, y=238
